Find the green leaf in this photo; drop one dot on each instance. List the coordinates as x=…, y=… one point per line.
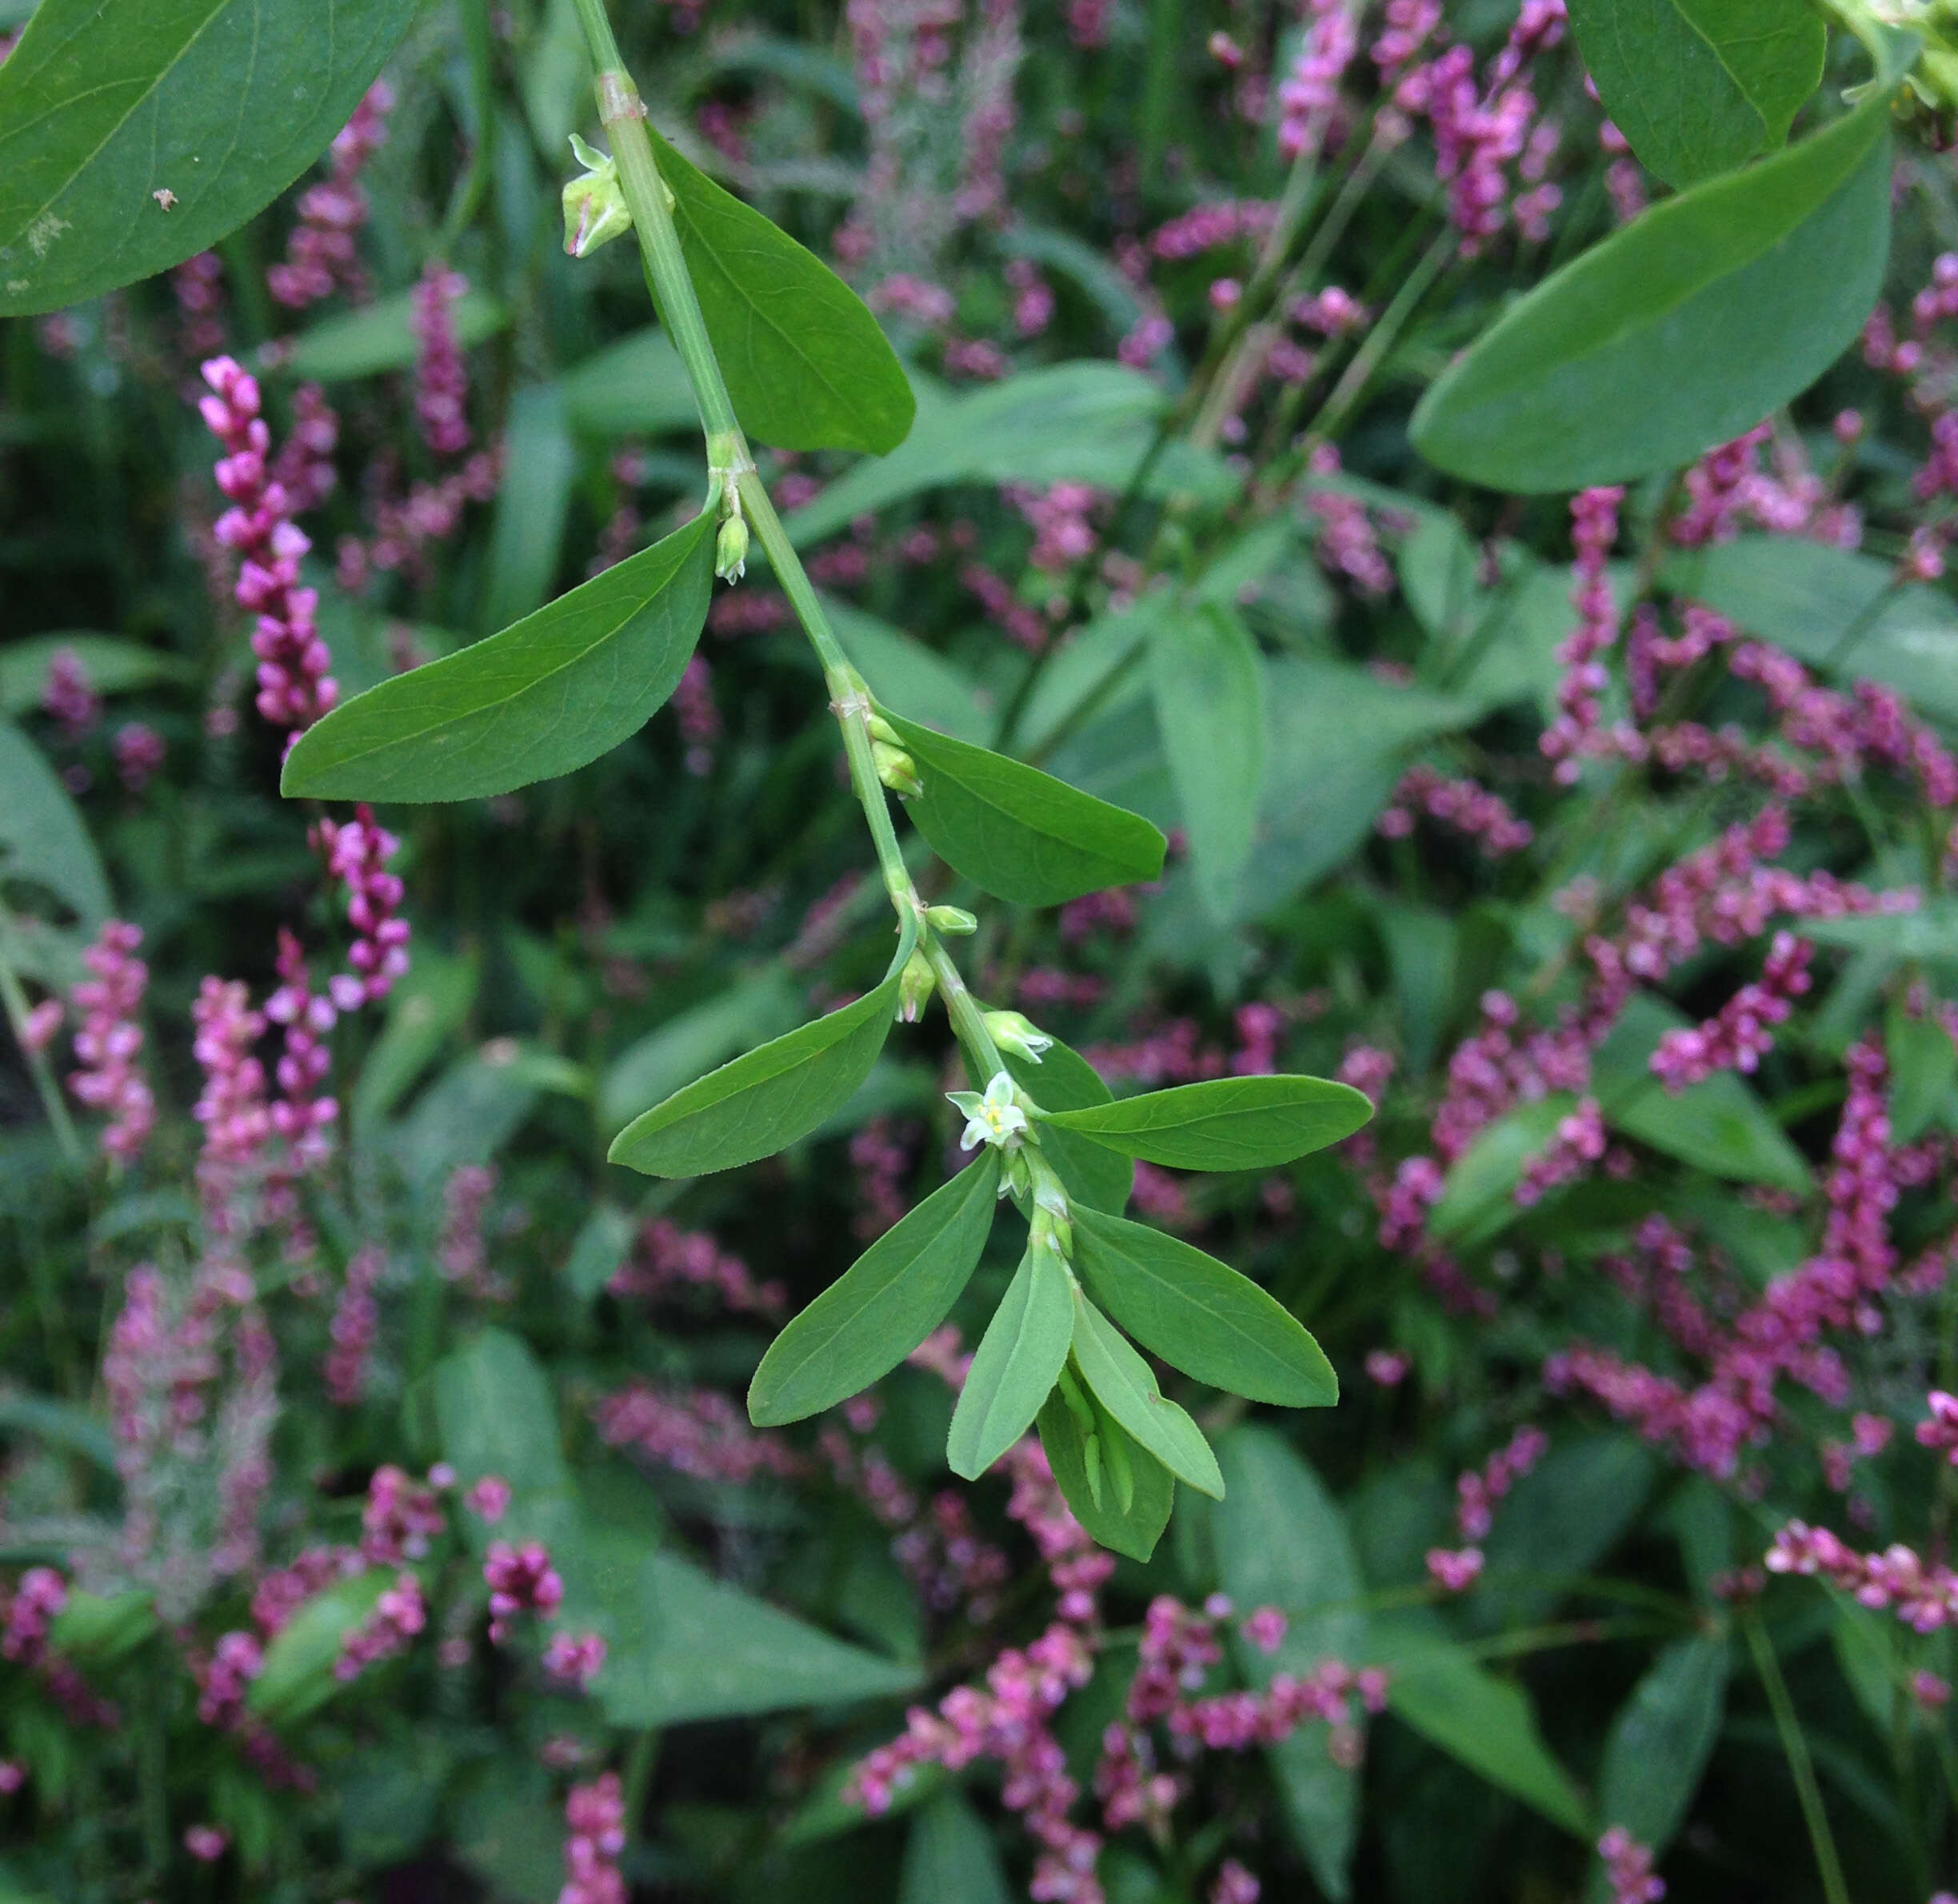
x=1022, y=835
x=43, y=840
x=1718, y=1125
x=1682, y=330
x=1478, y=1195
x=562, y=686
x=526, y=536
x=1930, y=932
x=769, y=1098
x=220, y=103
x=602, y=1243
x=1200, y=1314
x=428, y=1006
x=1924, y=1065
x=113, y=665
x=1225, y=1124
x=1660, y=1743
x=1019, y=1359
x=805, y=361
x=694, y=1649
x=758, y=1006
x=883, y=1306
x=1092, y=422
x=381, y=337
x=1209, y=682
x=902, y=672
x=1481, y=1721
x=1700, y=86
x=298, y=1674
x=1281, y=1541
x=1063, y=1080
x=950, y=1858
x=1133, y=1531
x=60, y=1424
x=636, y=387
x=495, y=1414
x=1125, y=1385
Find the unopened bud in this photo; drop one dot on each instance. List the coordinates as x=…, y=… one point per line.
x=953, y=919
x=881, y=729
x=915, y=986
x=595, y=202
x=1012, y=1031
x=897, y=769
x=731, y=550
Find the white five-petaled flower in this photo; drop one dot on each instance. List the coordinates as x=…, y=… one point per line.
x=993, y=1119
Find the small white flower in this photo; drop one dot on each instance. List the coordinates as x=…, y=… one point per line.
x=993, y=1119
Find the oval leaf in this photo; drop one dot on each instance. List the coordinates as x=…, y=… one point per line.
x=555, y=691
x=1200, y=1314
x=1683, y=329
x=883, y=1306
x=1019, y=1360
x=805, y=363
x=1224, y=1124
x=217, y=105
x=1700, y=86
x=768, y=1098
x=1022, y=835
x=1063, y=1080
x=44, y=841
x=1125, y=1385
x=1209, y=683
x=1134, y=1530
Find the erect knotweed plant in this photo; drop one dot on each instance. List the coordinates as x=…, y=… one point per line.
x=776, y=346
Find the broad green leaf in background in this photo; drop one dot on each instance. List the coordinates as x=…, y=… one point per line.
x=1200, y=1314
x=1478, y=1195
x=805, y=361
x=902, y=672
x=1018, y=1360
x=1718, y=1125
x=950, y=1858
x=495, y=1414
x=1225, y=1124
x=1125, y=1385
x=113, y=665
x=526, y=535
x=1092, y=422
x=883, y=1306
x=1209, y=687
x=218, y=105
x=297, y=1673
x=1023, y=836
x=1924, y=1065
x=1281, y=1541
x=603, y=1241
x=427, y=1007
x=60, y=1424
x=1660, y=1744
x=1700, y=86
x=562, y=686
x=693, y=1648
x=1929, y=932
x=1133, y=1531
x=758, y=1006
x=770, y=1097
x=636, y=387
x=381, y=337
x=43, y=841
x=1063, y=1080
x=1480, y=1719
x=1683, y=330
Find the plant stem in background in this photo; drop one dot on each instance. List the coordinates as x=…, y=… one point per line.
x=1801, y=1767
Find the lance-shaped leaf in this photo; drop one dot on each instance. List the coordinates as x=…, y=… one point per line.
x=1063, y=1080
x=805, y=363
x=1700, y=86
x=1133, y=1530
x=1125, y=1385
x=1683, y=330
x=555, y=691
x=1209, y=683
x=135, y=132
x=1019, y=1358
x=883, y=1306
x=1224, y=1124
x=771, y=1097
x=1023, y=836
x=1200, y=1314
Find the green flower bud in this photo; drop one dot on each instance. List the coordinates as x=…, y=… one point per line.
x=953, y=919
x=731, y=550
x=881, y=729
x=1013, y=1032
x=897, y=769
x=915, y=986
x=595, y=202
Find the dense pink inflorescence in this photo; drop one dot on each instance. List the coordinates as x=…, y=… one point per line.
x=320, y=255
x=595, y=1816
x=441, y=378
x=109, y=1040
x=521, y=1580
x=1627, y=1869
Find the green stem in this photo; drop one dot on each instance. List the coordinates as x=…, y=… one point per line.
x=1801, y=1768
x=15, y=1001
